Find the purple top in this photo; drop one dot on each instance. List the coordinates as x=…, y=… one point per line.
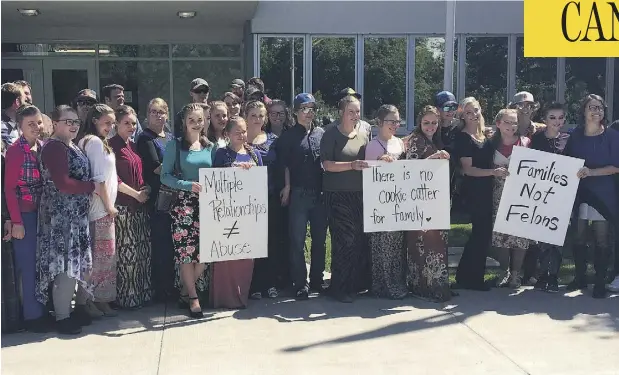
x=225, y=157
x=598, y=151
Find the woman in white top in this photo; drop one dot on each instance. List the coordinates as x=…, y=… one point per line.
x=99, y=123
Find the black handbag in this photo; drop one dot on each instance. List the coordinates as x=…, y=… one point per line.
x=167, y=196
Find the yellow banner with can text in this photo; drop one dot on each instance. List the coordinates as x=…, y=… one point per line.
x=568, y=28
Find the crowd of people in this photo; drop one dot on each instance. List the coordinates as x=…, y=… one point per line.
x=102, y=210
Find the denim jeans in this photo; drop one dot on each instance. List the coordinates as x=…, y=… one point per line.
x=307, y=206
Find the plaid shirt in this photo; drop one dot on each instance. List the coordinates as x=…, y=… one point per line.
x=29, y=183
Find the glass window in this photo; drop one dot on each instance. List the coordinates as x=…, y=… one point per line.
x=486, y=73
x=429, y=71
x=582, y=77
x=142, y=80
x=333, y=69
x=384, y=75
x=218, y=74
x=12, y=75
x=536, y=75
x=127, y=50
x=206, y=50
x=281, y=67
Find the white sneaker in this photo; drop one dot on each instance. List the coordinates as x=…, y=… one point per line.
x=614, y=286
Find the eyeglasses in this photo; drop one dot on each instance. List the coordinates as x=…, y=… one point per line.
x=510, y=123
x=450, y=108
x=307, y=110
x=82, y=103
x=158, y=113
x=201, y=91
x=277, y=114
x=71, y=122
x=527, y=105
x=596, y=108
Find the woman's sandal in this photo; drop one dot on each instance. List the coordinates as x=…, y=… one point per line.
x=195, y=314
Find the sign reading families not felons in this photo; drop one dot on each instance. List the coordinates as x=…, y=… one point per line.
x=538, y=196
x=406, y=195
x=233, y=214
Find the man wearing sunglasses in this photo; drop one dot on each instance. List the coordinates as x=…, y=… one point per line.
x=82, y=103
x=199, y=91
x=526, y=106
x=447, y=106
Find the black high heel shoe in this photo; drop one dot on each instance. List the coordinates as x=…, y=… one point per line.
x=195, y=314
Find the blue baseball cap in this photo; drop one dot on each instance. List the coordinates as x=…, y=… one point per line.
x=444, y=98
x=303, y=98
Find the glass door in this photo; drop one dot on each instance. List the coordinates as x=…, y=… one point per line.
x=28, y=70
x=65, y=78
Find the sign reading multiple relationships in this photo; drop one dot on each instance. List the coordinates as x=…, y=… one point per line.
x=406, y=195
x=233, y=214
x=538, y=196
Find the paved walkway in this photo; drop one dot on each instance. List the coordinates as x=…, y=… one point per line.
x=499, y=332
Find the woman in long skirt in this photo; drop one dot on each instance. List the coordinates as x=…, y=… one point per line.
x=387, y=248
x=342, y=152
x=133, y=285
x=427, y=250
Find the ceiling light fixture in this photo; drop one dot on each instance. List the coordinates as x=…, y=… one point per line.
x=29, y=12
x=186, y=14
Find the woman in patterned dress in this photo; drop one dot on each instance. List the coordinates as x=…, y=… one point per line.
x=503, y=142
x=387, y=248
x=194, y=152
x=64, y=250
x=132, y=230
x=427, y=250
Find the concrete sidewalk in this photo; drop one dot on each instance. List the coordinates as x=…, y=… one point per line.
x=498, y=332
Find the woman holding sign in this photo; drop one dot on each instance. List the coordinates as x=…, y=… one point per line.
x=554, y=141
x=597, y=197
x=342, y=152
x=387, y=248
x=427, y=250
x=194, y=151
x=503, y=142
x=231, y=280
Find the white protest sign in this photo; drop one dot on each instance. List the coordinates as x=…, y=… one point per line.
x=233, y=214
x=538, y=196
x=406, y=195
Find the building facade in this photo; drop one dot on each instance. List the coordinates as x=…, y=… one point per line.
x=399, y=52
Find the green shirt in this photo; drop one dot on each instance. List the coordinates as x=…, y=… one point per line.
x=337, y=147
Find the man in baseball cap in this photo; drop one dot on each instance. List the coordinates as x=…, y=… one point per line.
x=238, y=87
x=303, y=98
x=199, y=90
x=526, y=106
x=82, y=103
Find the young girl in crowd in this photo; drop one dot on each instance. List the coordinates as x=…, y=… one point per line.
x=342, y=151
x=231, y=280
x=597, y=198
x=151, y=144
x=512, y=248
x=132, y=229
x=264, y=277
x=219, y=120
x=99, y=123
x=387, y=248
x=193, y=151
x=64, y=251
x=427, y=250
x=475, y=155
x=279, y=117
x=551, y=140
x=22, y=183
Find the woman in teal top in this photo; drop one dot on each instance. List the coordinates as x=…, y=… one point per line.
x=196, y=152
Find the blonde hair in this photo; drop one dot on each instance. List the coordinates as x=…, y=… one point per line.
x=158, y=102
x=343, y=103
x=481, y=126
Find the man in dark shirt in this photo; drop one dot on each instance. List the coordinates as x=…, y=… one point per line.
x=298, y=150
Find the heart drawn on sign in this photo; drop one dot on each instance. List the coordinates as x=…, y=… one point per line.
x=428, y=219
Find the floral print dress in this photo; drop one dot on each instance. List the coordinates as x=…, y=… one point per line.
x=427, y=250
x=64, y=236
